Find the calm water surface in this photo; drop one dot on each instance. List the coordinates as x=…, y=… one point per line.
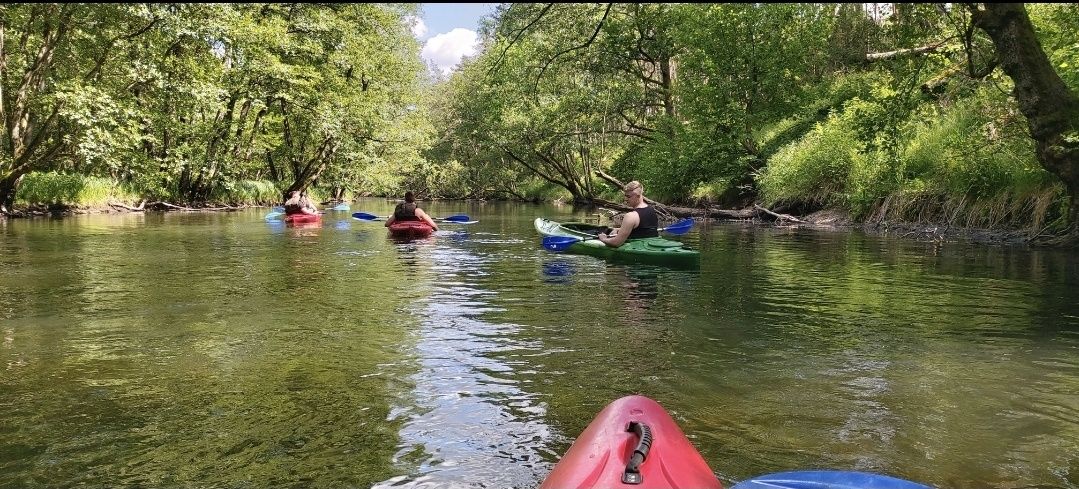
x=220, y=350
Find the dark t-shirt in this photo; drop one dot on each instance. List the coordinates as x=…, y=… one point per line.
x=648, y=227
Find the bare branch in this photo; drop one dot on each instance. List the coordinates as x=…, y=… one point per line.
x=599, y=26
x=516, y=38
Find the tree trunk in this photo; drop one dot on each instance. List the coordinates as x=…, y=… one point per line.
x=1052, y=111
x=309, y=172
x=8, y=186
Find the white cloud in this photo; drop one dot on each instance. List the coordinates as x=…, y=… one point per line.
x=418, y=27
x=446, y=50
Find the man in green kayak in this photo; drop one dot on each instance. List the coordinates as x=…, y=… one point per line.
x=409, y=211
x=641, y=222
x=299, y=203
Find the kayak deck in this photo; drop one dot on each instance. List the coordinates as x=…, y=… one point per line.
x=655, y=251
x=301, y=218
x=608, y=454
x=410, y=229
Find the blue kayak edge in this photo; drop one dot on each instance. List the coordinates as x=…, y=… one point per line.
x=826, y=479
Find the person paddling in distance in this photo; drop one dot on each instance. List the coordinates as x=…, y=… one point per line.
x=299, y=203
x=409, y=211
x=641, y=222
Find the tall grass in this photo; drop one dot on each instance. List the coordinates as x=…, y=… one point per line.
x=70, y=189
x=813, y=169
x=248, y=192
x=53, y=188
x=971, y=165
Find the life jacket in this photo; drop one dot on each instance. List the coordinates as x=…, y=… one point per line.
x=648, y=225
x=405, y=211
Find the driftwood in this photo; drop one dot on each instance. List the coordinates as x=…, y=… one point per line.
x=670, y=211
x=193, y=209
x=661, y=209
x=675, y=211
x=140, y=208
x=780, y=217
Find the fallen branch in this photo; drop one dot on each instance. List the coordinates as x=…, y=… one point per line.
x=780, y=217
x=898, y=53
x=674, y=211
x=182, y=208
x=140, y=208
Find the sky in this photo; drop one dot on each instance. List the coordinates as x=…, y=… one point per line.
x=448, y=31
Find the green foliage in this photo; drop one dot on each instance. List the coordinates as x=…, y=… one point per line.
x=1057, y=33
x=814, y=168
x=698, y=101
x=70, y=189
x=252, y=192
x=939, y=172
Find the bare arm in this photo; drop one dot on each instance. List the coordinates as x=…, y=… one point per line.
x=390, y=220
x=426, y=218
x=629, y=223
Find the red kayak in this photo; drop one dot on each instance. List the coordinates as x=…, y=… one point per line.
x=410, y=229
x=633, y=444
x=302, y=218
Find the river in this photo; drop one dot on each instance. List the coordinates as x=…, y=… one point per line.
x=222, y=350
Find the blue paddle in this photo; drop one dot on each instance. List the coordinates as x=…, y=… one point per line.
x=680, y=227
x=340, y=207
x=826, y=479
x=275, y=213
x=457, y=219
x=560, y=243
x=363, y=216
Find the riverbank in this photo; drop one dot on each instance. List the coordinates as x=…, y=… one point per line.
x=61, y=210
x=828, y=220
x=933, y=232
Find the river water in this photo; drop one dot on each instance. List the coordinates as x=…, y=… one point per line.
x=222, y=350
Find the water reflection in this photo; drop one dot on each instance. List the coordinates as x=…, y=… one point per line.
x=276, y=226
x=558, y=271
x=642, y=286
x=468, y=422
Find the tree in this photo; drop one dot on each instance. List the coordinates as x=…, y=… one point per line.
x=1051, y=108
x=48, y=54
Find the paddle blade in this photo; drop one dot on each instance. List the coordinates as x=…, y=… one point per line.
x=340, y=207
x=278, y=209
x=680, y=227
x=363, y=216
x=559, y=243
x=456, y=218
x=274, y=215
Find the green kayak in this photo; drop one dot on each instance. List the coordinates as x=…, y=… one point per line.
x=655, y=251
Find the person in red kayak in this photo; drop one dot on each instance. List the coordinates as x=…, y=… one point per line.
x=409, y=211
x=299, y=203
x=641, y=222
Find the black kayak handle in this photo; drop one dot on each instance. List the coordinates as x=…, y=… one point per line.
x=632, y=475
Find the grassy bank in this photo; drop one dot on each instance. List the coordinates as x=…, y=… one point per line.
x=60, y=190
x=926, y=172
